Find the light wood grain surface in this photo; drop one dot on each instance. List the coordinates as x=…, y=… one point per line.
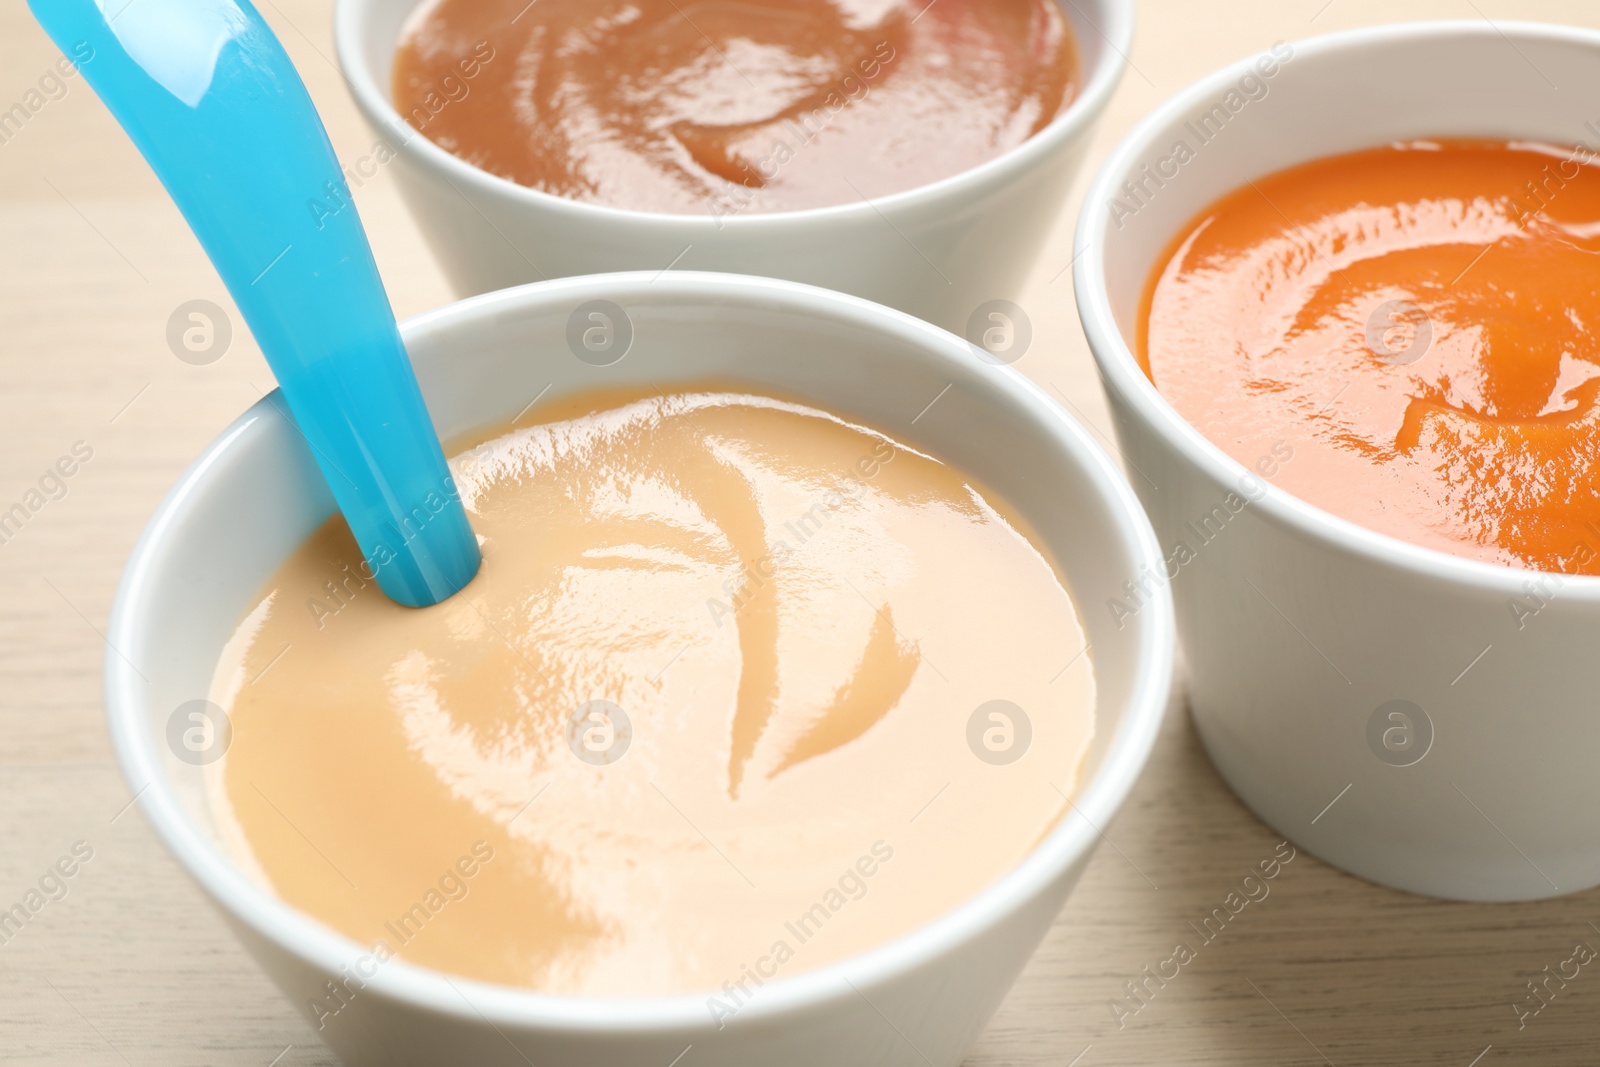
x=133, y=967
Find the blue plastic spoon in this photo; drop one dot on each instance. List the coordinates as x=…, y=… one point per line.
x=209, y=96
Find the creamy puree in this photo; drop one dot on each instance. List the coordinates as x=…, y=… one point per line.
x=798, y=617
x=725, y=106
x=1407, y=337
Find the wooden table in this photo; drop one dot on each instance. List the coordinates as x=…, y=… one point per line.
x=131, y=966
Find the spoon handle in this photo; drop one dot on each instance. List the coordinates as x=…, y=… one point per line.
x=209, y=96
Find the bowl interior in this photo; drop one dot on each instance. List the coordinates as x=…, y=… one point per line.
x=1334, y=94
x=368, y=31
x=256, y=493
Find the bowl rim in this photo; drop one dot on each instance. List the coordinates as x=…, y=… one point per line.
x=1121, y=373
x=352, y=27
x=1069, y=843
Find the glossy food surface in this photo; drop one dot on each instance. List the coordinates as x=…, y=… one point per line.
x=1405, y=337
x=801, y=623
x=731, y=106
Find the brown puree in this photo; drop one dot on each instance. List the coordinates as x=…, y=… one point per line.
x=691, y=106
x=800, y=620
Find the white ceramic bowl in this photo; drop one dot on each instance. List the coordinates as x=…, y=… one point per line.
x=1486, y=789
x=255, y=494
x=939, y=251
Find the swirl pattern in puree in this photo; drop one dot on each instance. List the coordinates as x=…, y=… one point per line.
x=1414, y=324
x=799, y=618
x=727, y=106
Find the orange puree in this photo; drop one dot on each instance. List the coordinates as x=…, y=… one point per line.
x=1416, y=324
x=726, y=106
